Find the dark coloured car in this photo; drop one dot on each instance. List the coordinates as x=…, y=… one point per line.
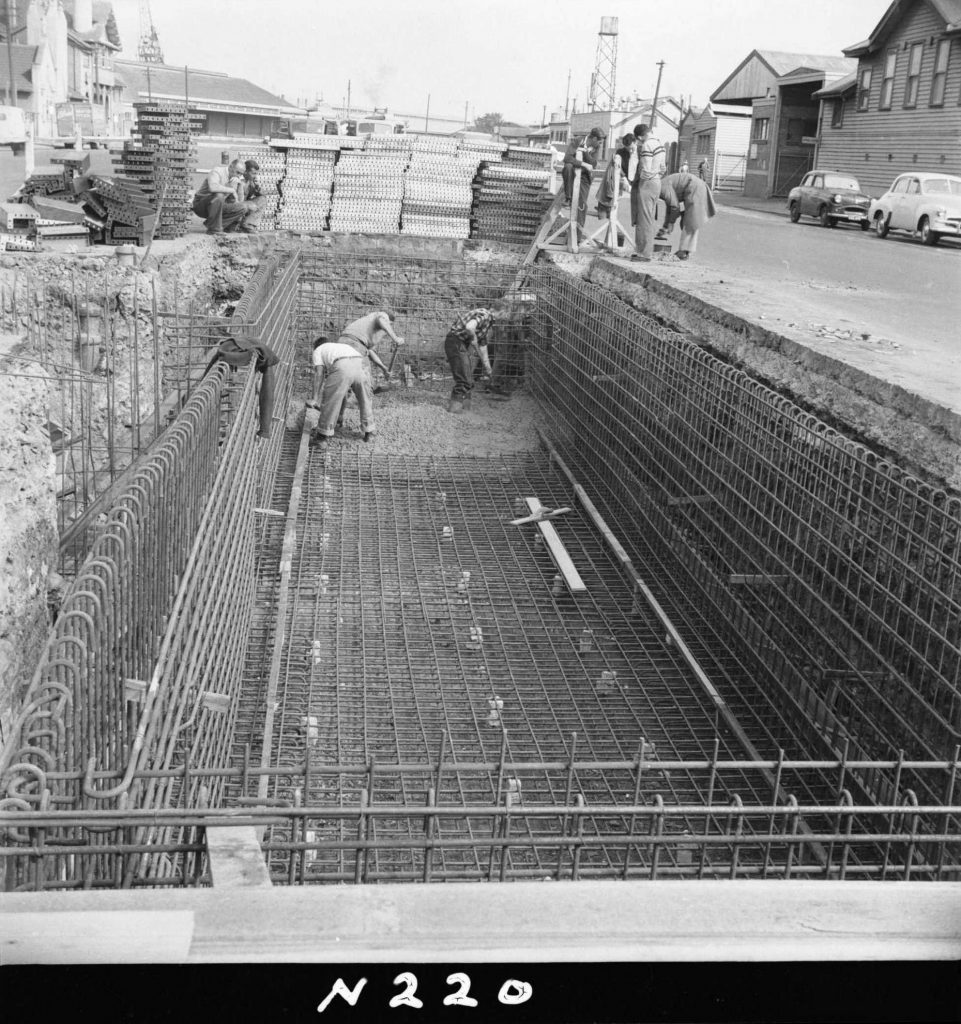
x=831, y=197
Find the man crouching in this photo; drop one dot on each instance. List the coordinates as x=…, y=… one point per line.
x=339, y=368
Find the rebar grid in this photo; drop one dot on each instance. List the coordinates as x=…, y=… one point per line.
x=839, y=573
x=426, y=293
x=437, y=836
x=478, y=652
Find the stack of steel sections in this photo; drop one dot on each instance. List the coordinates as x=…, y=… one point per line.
x=305, y=187
x=511, y=196
x=122, y=207
x=437, y=190
x=369, y=189
x=161, y=158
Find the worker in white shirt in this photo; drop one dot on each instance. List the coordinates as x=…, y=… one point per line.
x=339, y=369
x=650, y=169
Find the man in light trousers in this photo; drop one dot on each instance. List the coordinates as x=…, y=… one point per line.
x=650, y=168
x=338, y=369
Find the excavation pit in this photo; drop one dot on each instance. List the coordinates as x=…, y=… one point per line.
x=761, y=680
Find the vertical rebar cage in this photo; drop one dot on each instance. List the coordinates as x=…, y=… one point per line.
x=836, y=575
x=143, y=662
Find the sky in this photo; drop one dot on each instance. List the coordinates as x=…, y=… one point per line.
x=511, y=57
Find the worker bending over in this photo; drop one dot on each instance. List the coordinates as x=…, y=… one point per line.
x=469, y=334
x=339, y=369
x=363, y=334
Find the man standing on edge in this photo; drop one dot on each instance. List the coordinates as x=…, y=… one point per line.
x=467, y=331
x=583, y=155
x=363, y=334
x=650, y=167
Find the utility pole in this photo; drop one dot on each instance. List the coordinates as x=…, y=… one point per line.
x=11, y=84
x=657, y=92
x=465, y=113
x=567, y=102
x=427, y=118
x=544, y=116
x=347, y=118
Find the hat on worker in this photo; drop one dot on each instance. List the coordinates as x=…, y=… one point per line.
x=252, y=165
x=595, y=133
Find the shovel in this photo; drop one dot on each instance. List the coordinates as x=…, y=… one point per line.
x=388, y=384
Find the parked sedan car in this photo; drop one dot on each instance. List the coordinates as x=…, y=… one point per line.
x=831, y=197
x=928, y=204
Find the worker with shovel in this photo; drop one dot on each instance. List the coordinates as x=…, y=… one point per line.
x=468, y=334
x=338, y=370
x=363, y=334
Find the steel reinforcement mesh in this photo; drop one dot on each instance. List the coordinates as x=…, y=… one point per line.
x=831, y=579
x=447, y=709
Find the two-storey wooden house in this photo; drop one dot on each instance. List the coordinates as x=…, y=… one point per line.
x=901, y=110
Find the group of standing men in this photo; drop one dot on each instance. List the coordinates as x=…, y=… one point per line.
x=230, y=197
x=641, y=164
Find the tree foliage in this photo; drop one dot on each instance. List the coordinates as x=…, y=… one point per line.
x=488, y=122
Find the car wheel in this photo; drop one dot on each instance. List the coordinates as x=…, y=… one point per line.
x=827, y=221
x=795, y=213
x=928, y=237
x=880, y=225
x=865, y=224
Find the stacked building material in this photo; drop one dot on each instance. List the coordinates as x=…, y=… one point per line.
x=119, y=207
x=511, y=196
x=273, y=167
x=369, y=191
x=48, y=181
x=305, y=189
x=161, y=158
x=437, y=190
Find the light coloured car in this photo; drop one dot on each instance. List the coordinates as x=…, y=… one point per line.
x=923, y=203
x=831, y=197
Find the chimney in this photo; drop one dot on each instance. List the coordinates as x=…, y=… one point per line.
x=82, y=15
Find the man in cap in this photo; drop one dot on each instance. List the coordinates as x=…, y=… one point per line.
x=250, y=194
x=582, y=154
x=466, y=340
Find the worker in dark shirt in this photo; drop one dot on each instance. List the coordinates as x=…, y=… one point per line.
x=583, y=155
x=469, y=334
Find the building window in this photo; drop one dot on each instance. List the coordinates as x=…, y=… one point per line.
x=887, y=82
x=704, y=143
x=864, y=89
x=837, y=113
x=941, y=57
x=762, y=129
x=914, y=75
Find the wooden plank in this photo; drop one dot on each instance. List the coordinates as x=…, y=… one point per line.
x=130, y=935
x=236, y=859
x=563, y=561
